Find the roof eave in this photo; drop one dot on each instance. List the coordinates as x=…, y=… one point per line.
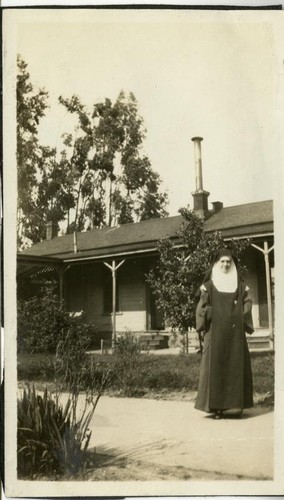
x=38, y=259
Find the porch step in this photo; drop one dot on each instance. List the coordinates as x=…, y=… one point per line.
x=153, y=341
x=258, y=342
x=150, y=336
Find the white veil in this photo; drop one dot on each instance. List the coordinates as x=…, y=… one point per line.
x=225, y=282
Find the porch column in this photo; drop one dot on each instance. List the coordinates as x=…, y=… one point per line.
x=113, y=267
x=62, y=272
x=265, y=251
x=61, y=283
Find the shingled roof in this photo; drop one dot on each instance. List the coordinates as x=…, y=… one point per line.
x=236, y=221
x=242, y=220
x=134, y=236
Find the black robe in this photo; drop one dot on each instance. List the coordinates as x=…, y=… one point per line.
x=225, y=371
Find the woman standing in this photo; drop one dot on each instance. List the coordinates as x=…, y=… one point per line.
x=223, y=316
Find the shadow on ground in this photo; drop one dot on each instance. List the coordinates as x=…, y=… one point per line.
x=109, y=464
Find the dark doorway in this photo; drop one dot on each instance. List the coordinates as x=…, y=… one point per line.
x=156, y=317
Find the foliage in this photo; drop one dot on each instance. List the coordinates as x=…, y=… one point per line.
x=180, y=269
x=31, y=107
x=52, y=438
x=44, y=326
x=112, y=182
x=100, y=177
x=77, y=370
x=43, y=183
x=127, y=361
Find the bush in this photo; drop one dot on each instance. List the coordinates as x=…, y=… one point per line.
x=127, y=363
x=51, y=438
x=43, y=324
x=70, y=356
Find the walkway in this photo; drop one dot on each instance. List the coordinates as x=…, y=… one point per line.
x=174, y=433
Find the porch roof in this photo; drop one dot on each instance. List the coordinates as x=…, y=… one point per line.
x=236, y=221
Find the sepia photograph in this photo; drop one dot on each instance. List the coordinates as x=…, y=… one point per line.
x=143, y=208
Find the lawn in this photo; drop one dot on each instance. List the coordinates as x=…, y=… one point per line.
x=150, y=375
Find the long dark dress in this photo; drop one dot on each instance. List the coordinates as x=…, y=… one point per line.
x=225, y=371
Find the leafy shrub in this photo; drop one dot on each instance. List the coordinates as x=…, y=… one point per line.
x=70, y=359
x=43, y=324
x=96, y=377
x=127, y=361
x=51, y=438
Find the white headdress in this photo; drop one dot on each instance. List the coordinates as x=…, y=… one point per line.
x=225, y=282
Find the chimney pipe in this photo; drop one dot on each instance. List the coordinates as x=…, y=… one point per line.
x=51, y=230
x=198, y=163
x=200, y=197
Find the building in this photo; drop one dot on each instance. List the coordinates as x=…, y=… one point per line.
x=107, y=272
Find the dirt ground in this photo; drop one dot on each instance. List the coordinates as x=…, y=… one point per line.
x=122, y=469
x=111, y=468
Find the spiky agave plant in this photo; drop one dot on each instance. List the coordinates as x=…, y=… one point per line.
x=52, y=439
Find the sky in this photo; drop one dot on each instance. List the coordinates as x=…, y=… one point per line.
x=192, y=75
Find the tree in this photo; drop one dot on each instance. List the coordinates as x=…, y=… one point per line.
x=31, y=106
x=180, y=269
x=54, y=192
x=43, y=182
x=100, y=178
x=113, y=183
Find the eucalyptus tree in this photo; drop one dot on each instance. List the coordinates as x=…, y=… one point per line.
x=44, y=191
x=113, y=182
x=31, y=106
x=99, y=177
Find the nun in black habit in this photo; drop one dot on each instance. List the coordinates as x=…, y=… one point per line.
x=223, y=316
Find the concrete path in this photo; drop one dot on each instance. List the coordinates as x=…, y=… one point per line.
x=174, y=433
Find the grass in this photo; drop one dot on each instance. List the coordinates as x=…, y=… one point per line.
x=34, y=367
x=154, y=376
x=262, y=364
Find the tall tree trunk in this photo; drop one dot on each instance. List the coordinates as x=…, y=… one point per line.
x=20, y=223
x=68, y=220
x=110, y=203
x=75, y=240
